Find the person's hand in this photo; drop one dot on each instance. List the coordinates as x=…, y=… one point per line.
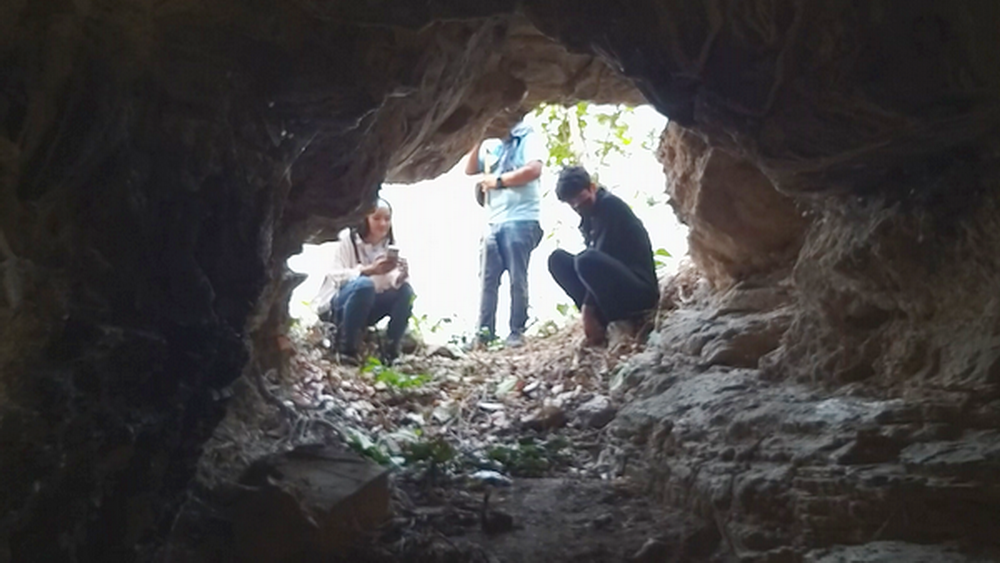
x=489, y=182
x=383, y=265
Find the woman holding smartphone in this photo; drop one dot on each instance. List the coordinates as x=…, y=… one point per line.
x=366, y=282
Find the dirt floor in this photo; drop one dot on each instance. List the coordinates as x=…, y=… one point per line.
x=555, y=520
x=495, y=455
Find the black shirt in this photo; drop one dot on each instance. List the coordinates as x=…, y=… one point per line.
x=612, y=228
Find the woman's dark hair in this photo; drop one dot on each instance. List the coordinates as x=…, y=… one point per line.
x=363, y=229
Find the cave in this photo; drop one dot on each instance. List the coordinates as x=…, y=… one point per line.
x=837, y=163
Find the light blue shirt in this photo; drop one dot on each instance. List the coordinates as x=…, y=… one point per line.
x=513, y=203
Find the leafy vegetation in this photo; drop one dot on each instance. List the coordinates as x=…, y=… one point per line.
x=436, y=451
x=422, y=325
x=528, y=458
x=659, y=255
x=366, y=447
x=566, y=130
x=391, y=377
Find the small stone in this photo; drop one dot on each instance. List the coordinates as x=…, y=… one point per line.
x=507, y=385
x=596, y=413
x=546, y=418
x=653, y=551
x=494, y=478
x=444, y=352
x=602, y=521
x=445, y=412
x=497, y=522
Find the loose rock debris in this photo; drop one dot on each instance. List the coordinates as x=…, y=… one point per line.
x=493, y=456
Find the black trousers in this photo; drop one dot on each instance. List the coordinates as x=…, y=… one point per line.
x=595, y=278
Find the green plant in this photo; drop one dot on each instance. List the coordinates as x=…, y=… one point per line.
x=435, y=450
x=422, y=325
x=391, y=377
x=660, y=253
x=565, y=309
x=528, y=458
x=548, y=328
x=365, y=447
x=566, y=128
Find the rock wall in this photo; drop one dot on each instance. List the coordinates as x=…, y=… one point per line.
x=740, y=225
x=796, y=435
x=901, y=296
x=842, y=388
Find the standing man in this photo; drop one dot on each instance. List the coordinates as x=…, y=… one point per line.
x=614, y=279
x=511, y=193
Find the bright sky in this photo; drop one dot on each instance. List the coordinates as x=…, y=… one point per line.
x=438, y=226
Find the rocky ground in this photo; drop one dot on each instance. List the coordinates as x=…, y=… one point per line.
x=689, y=447
x=799, y=470
x=494, y=455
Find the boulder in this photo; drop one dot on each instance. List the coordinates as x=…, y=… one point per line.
x=548, y=417
x=311, y=502
x=596, y=413
x=740, y=224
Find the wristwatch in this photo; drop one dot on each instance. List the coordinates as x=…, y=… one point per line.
x=500, y=185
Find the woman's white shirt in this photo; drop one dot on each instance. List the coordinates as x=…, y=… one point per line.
x=346, y=265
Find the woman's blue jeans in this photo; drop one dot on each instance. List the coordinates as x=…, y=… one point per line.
x=357, y=306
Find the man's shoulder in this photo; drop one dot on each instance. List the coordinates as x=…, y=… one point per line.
x=610, y=201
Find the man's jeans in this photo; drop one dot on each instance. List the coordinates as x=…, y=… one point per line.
x=357, y=306
x=507, y=248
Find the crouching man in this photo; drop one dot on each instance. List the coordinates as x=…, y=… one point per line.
x=614, y=279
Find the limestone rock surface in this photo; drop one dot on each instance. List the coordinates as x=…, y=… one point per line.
x=739, y=223
x=791, y=469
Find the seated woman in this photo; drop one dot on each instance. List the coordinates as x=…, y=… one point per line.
x=366, y=282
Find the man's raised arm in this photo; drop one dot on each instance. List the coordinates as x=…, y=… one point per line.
x=472, y=162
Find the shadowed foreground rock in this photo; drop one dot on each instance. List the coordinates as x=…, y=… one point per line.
x=308, y=504
x=784, y=468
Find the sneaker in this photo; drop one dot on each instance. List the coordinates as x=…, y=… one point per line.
x=515, y=340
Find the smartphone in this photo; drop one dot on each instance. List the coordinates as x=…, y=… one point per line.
x=392, y=253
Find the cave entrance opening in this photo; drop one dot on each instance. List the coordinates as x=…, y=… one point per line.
x=507, y=420
x=517, y=421
x=439, y=226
